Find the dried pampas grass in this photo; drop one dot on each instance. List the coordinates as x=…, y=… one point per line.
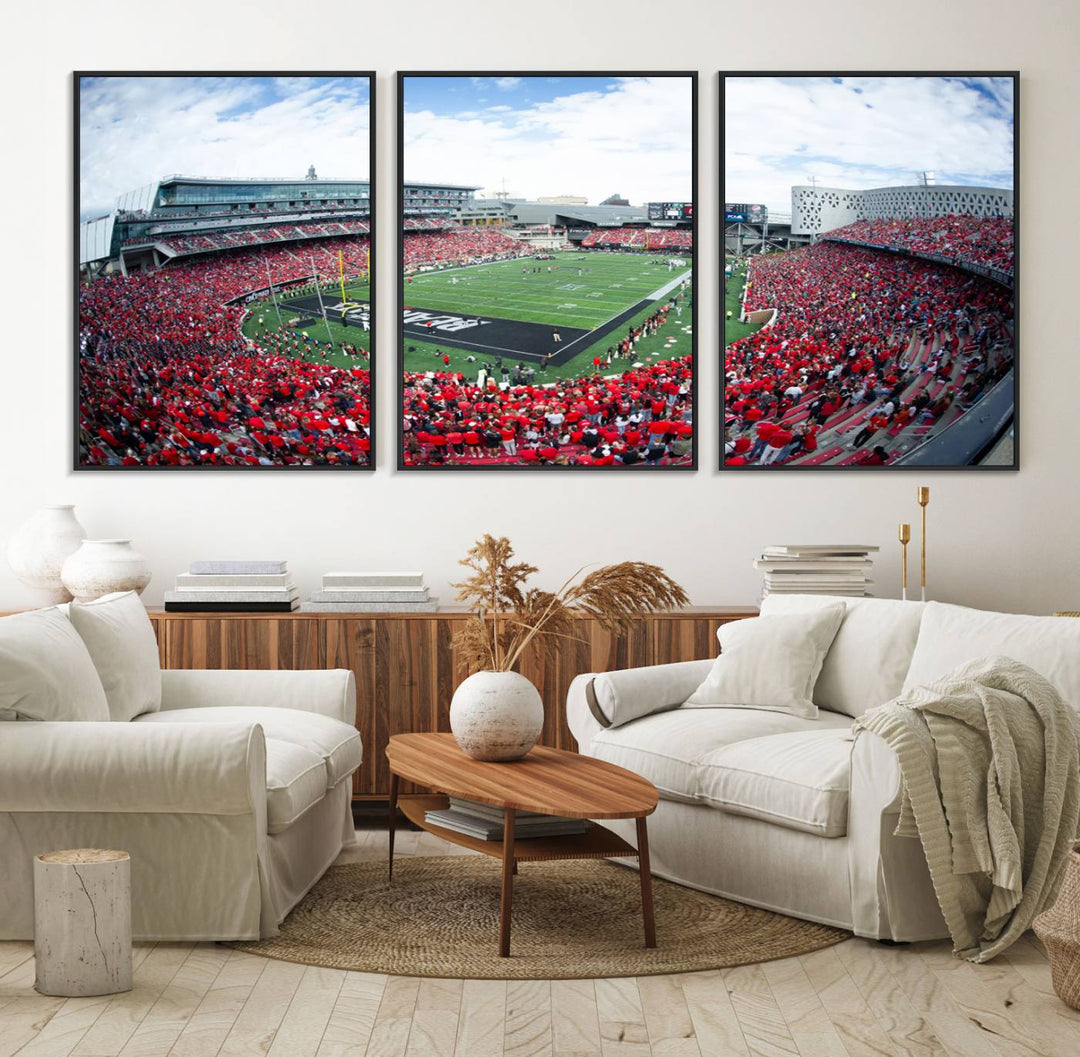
x=507, y=615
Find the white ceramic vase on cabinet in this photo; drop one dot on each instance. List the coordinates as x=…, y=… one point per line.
x=37, y=551
x=100, y=567
x=496, y=715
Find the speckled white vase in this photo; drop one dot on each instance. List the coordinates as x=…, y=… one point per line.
x=496, y=715
x=100, y=567
x=37, y=551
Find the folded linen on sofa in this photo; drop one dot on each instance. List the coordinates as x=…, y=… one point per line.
x=991, y=786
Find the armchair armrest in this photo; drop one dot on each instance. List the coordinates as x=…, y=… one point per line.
x=133, y=767
x=609, y=699
x=330, y=692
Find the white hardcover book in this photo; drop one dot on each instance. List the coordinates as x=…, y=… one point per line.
x=228, y=567
x=227, y=595
x=372, y=579
x=245, y=582
x=364, y=594
x=370, y=607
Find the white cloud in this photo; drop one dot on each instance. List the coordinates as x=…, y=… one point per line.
x=635, y=139
x=863, y=132
x=134, y=130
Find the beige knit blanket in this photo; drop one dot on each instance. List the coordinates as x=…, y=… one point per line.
x=990, y=761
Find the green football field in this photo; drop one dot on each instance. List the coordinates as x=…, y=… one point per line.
x=580, y=291
x=733, y=329
x=315, y=329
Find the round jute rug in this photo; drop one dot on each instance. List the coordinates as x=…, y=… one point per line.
x=574, y=918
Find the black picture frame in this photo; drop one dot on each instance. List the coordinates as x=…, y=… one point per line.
x=1007, y=424
x=370, y=76
x=402, y=175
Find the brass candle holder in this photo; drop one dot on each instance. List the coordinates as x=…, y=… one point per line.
x=923, y=496
x=904, y=535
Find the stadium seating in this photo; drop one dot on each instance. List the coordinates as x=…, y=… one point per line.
x=983, y=242
x=459, y=246
x=645, y=239
x=166, y=377
x=866, y=345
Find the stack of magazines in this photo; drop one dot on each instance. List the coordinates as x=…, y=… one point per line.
x=817, y=569
x=371, y=593
x=234, y=587
x=486, y=822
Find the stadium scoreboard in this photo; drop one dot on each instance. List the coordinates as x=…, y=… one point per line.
x=744, y=213
x=671, y=210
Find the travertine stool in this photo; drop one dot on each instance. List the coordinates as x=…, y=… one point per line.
x=82, y=922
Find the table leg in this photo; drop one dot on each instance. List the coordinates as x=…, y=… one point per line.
x=506, y=896
x=646, y=882
x=393, y=822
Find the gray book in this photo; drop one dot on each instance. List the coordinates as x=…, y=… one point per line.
x=219, y=567
x=288, y=594
x=245, y=582
x=370, y=607
x=347, y=579
x=361, y=594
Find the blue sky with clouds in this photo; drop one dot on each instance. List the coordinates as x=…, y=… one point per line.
x=134, y=130
x=590, y=136
x=860, y=132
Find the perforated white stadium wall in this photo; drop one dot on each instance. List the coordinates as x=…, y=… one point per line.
x=818, y=209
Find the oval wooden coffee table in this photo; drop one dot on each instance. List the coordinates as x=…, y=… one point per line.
x=549, y=781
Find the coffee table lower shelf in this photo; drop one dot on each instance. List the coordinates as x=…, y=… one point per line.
x=596, y=842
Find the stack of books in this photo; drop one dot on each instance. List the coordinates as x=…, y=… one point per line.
x=817, y=569
x=371, y=593
x=234, y=587
x=486, y=822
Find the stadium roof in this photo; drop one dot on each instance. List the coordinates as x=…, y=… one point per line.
x=440, y=183
x=180, y=178
x=539, y=212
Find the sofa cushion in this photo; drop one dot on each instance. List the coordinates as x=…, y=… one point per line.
x=121, y=642
x=45, y=670
x=869, y=658
x=953, y=635
x=669, y=748
x=295, y=780
x=336, y=743
x=770, y=662
x=799, y=780
x=618, y=697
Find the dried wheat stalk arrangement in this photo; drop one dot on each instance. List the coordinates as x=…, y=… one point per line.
x=508, y=615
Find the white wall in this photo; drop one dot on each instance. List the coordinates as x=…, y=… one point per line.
x=1003, y=540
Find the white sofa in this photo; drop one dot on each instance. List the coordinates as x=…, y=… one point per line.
x=793, y=814
x=231, y=790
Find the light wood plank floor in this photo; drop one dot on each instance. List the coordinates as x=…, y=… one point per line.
x=856, y=999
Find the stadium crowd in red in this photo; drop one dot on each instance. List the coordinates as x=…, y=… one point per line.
x=642, y=238
x=964, y=240
x=224, y=240
x=843, y=338
x=469, y=246
x=642, y=416
x=166, y=378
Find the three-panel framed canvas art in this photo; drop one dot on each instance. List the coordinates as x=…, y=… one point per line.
x=545, y=228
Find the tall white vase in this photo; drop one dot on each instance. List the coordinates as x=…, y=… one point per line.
x=100, y=567
x=37, y=551
x=496, y=715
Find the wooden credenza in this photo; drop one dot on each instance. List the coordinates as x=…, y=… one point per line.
x=406, y=667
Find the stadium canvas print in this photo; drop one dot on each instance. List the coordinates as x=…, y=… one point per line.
x=870, y=271
x=223, y=264
x=547, y=284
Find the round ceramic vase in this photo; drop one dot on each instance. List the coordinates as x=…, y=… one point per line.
x=101, y=567
x=37, y=551
x=496, y=715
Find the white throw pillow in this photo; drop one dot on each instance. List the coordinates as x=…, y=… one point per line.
x=953, y=635
x=121, y=641
x=869, y=657
x=770, y=663
x=45, y=670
